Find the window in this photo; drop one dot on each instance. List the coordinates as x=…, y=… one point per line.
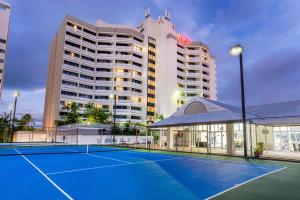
x=73, y=94
x=87, y=58
x=104, y=52
x=89, y=32
x=86, y=86
x=102, y=70
x=102, y=79
x=122, y=45
x=2, y=51
x=87, y=67
x=137, y=64
x=102, y=88
x=104, y=61
x=138, y=56
x=136, y=108
x=71, y=63
x=120, y=107
x=135, y=117
x=121, y=116
x=88, y=41
x=86, y=77
x=136, y=90
x=70, y=73
x=85, y=96
x=72, y=44
x=136, y=81
x=104, y=35
x=2, y=60
x=2, y=41
x=101, y=97
x=73, y=35
x=64, y=82
x=138, y=39
x=104, y=44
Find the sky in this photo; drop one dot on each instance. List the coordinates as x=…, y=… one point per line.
x=269, y=31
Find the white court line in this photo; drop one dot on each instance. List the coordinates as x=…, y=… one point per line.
x=204, y=160
x=108, y=166
x=123, y=161
x=218, y=194
x=41, y=172
x=157, y=154
x=108, y=158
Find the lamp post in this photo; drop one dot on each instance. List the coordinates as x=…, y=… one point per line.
x=237, y=50
x=16, y=94
x=114, y=96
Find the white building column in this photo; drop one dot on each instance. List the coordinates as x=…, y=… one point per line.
x=230, y=138
x=170, y=138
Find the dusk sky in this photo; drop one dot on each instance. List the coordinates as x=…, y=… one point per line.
x=269, y=31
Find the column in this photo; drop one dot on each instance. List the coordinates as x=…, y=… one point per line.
x=170, y=138
x=230, y=138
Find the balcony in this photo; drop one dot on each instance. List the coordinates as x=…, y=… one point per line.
x=105, y=56
x=88, y=54
x=198, y=82
x=124, y=40
x=89, y=36
x=181, y=73
x=86, y=80
x=90, y=45
x=106, y=74
x=194, y=59
x=67, y=97
x=193, y=52
x=123, y=57
x=104, y=83
x=180, y=50
x=67, y=57
x=109, y=65
x=69, y=87
x=124, y=48
x=71, y=29
x=106, y=39
x=138, y=60
x=123, y=74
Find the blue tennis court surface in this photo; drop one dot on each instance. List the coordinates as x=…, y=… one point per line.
x=121, y=175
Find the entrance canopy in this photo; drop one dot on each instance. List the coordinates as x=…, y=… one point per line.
x=204, y=111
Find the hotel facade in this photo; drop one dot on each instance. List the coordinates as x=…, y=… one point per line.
x=151, y=69
x=4, y=27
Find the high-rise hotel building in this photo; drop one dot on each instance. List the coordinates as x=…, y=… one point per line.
x=151, y=69
x=4, y=26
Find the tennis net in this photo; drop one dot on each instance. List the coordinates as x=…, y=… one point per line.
x=61, y=148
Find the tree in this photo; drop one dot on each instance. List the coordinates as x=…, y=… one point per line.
x=71, y=117
x=23, y=123
x=4, y=127
x=158, y=117
x=95, y=115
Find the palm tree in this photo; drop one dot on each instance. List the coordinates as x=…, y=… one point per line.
x=4, y=127
x=95, y=115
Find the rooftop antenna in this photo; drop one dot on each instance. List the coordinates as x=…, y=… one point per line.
x=167, y=15
x=147, y=13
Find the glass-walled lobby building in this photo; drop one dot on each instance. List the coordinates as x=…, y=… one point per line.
x=206, y=126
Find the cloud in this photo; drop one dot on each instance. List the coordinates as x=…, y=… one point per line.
x=268, y=30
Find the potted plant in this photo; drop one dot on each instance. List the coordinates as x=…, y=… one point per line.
x=259, y=149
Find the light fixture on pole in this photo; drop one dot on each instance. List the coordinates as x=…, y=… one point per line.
x=16, y=95
x=237, y=50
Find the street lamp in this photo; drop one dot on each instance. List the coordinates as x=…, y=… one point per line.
x=16, y=95
x=237, y=50
x=114, y=96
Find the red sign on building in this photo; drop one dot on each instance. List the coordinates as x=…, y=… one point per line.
x=183, y=39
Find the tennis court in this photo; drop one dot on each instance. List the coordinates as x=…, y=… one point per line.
x=96, y=172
